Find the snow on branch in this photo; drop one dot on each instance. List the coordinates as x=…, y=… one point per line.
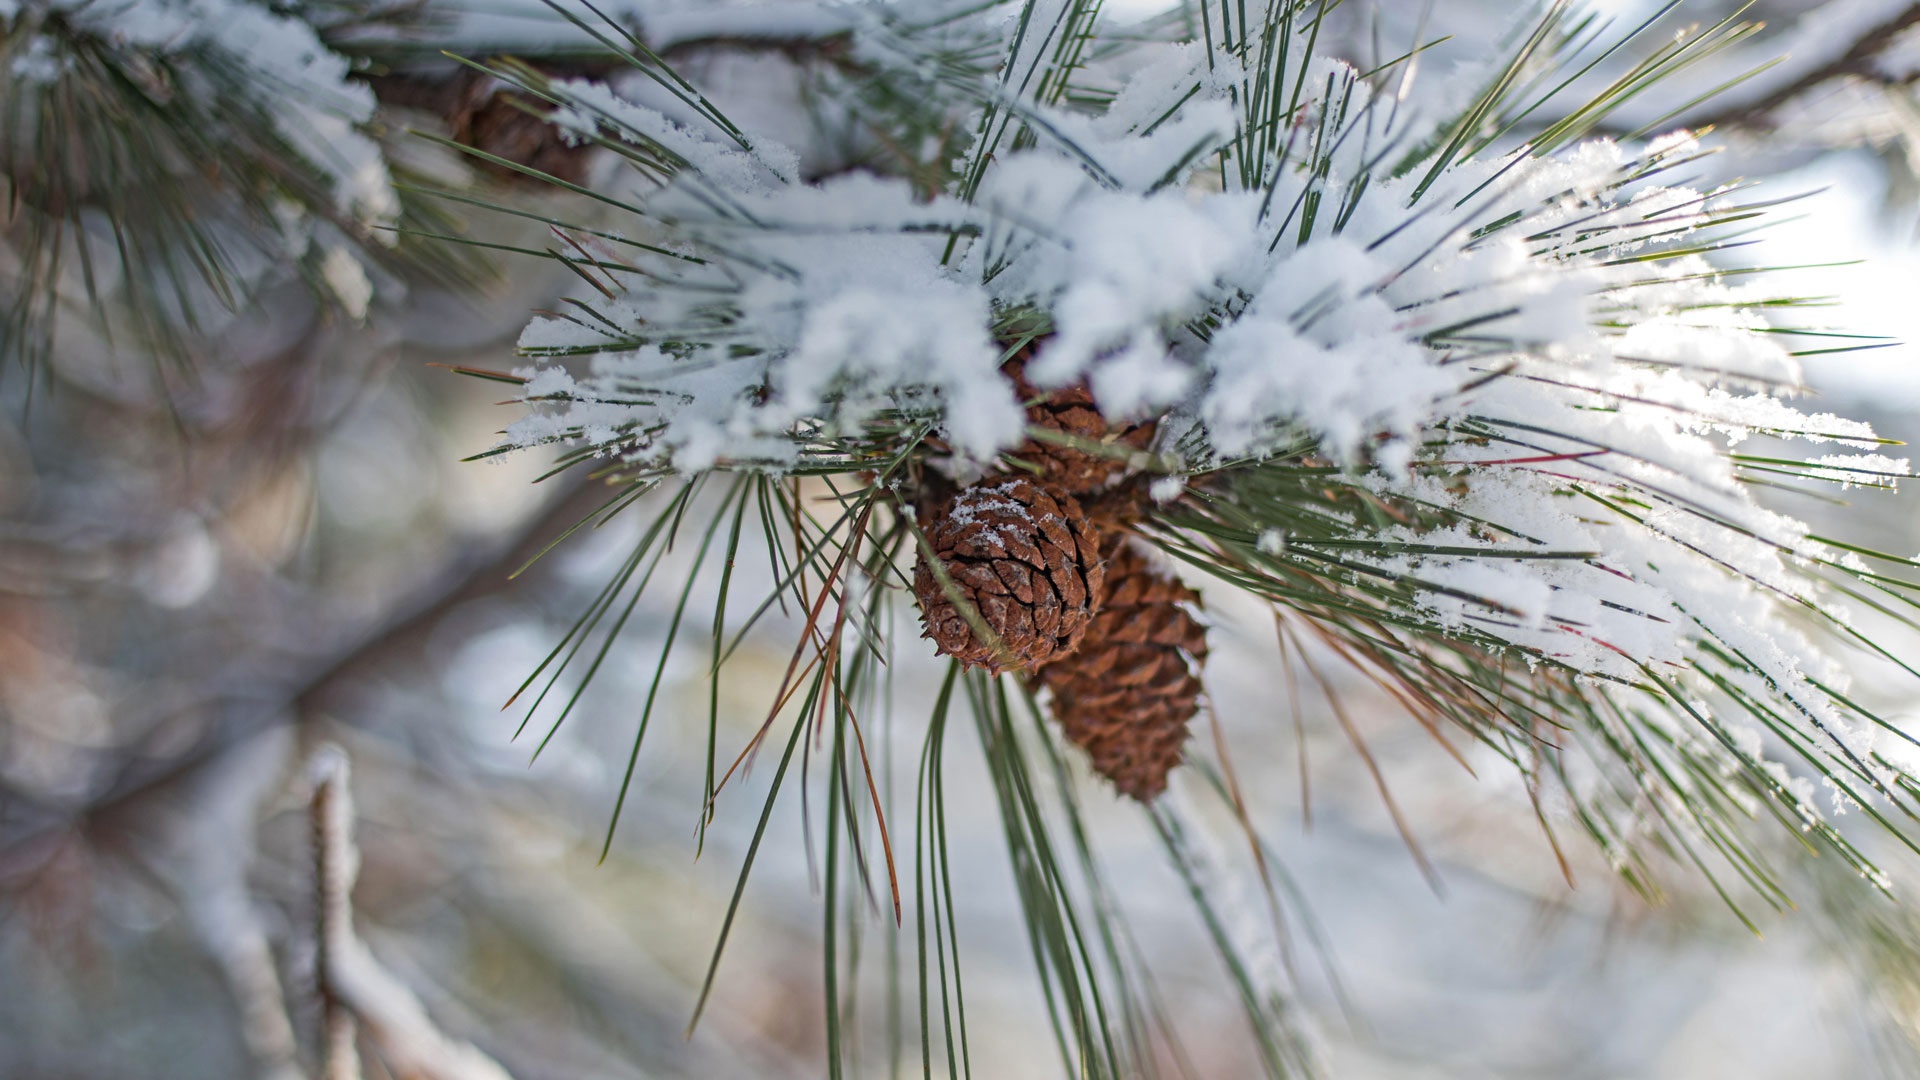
x=358, y=994
x=1528, y=356
x=286, y=71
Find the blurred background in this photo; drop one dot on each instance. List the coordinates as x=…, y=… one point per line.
x=209, y=570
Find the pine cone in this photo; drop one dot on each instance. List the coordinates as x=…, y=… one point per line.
x=479, y=113
x=1127, y=695
x=1070, y=411
x=1025, y=559
x=488, y=120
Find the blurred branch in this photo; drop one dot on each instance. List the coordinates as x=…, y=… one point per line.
x=159, y=760
x=355, y=990
x=1857, y=61
x=335, y=865
x=201, y=845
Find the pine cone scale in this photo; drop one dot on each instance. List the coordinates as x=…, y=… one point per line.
x=1128, y=695
x=1090, y=455
x=1025, y=559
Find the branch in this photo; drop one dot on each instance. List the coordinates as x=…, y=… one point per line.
x=336, y=863
x=1858, y=60
x=154, y=765
x=202, y=846
x=355, y=990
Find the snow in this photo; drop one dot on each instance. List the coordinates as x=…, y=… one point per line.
x=866, y=340
x=592, y=106
x=39, y=62
x=1113, y=266
x=1521, y=341
x=1858, y=470
x=303, y=84
x=1349, y=373
x=347, y=278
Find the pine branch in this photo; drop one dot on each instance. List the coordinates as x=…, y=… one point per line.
x=1461, y=411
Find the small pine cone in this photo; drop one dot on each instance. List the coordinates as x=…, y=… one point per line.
x=1071, y=412
x=1026, y=559
x=1127, y=695
x=488, y=120
x=479, y=112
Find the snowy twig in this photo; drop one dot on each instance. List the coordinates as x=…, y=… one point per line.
x=335, y=867
x=355, y=990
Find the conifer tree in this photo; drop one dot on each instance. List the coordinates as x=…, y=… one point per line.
x=1036, y=338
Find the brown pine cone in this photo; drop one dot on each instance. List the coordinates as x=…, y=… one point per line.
x=1070, y=412
x=479, y=113
x=1127, y=695
x=1024, y=558
x=488, y=120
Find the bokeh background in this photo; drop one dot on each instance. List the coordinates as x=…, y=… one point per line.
x=206, y=575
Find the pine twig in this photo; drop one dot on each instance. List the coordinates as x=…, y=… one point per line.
x=356, y=991
x=335, y=867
